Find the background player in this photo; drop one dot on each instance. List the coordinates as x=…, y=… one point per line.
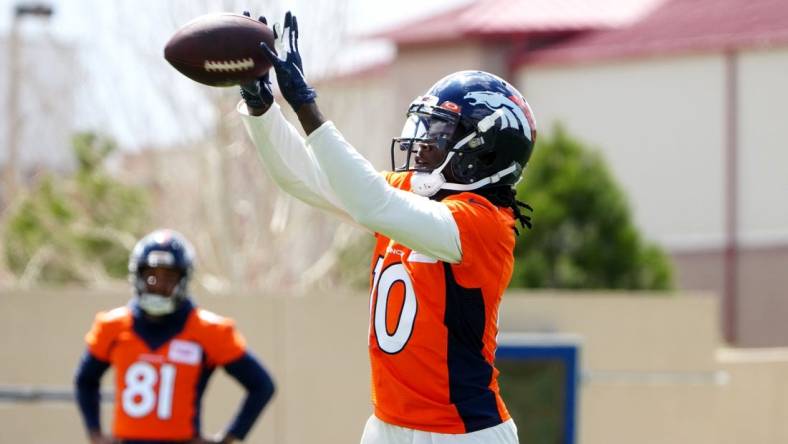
x=164, y=349
x=445, y=226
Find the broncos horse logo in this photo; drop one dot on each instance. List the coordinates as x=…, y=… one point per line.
x=513, y=115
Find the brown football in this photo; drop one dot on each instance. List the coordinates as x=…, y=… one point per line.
x=220, y=49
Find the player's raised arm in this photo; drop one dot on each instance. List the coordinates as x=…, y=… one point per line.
x=283, y=151
x=421, y=224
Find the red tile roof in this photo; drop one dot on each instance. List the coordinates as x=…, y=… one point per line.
x=493, y=18
x=680, y=26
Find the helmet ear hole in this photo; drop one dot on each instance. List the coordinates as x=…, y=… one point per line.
x=488, y=159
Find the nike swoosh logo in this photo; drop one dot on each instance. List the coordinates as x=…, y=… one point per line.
x=415, y=256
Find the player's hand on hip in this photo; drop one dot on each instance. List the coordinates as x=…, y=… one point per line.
x=220, y=438
x=258, y=95
x=99, y=438
x=288, y=65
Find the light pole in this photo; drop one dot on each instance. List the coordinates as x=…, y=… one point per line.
x=11, y=170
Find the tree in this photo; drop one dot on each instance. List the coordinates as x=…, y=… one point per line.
x=583, y=234
x=75, y=229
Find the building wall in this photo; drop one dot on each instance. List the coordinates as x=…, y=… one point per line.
x=763, y=147
x=47, y=73
x=369, y=107
x=763, y=296
x=661, y=124
x=652, y=372
x=362, y=108
x=416, y=68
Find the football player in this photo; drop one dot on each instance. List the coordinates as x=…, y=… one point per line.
x=164, y=349
x=444, y=222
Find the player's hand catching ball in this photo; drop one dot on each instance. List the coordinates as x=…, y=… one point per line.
x=288, y=66
x=258, y=94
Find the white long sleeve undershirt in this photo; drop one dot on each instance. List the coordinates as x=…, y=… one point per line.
x=325, y=171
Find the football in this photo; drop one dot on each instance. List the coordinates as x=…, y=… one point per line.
x=220, y=49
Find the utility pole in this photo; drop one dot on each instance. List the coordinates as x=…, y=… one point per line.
x=11, y=167
x=731, y=262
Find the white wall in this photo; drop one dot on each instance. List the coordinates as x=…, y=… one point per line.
x=660, y=125
x=362, y=110
x=370, y=108
x=47, y=75
x=417, y=68
x=763, y=146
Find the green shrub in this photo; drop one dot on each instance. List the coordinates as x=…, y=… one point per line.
x=583, y=235
x=68, y=229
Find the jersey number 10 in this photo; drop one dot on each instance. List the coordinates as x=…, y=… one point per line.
x=382, y=282
x=139, y=397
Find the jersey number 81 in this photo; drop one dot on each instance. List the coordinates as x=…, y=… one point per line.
x=139, y=398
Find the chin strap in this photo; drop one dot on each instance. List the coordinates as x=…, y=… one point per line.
x=157, y=305
x=427, y=184
x=495, y=178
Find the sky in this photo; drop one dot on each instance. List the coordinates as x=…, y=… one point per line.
x=131, y=94
x=364, y=15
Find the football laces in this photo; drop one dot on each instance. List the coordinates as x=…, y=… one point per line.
x=228, y=65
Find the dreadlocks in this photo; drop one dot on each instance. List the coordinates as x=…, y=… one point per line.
x=507, y=197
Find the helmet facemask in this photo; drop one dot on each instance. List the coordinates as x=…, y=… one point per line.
x=431, y=127
x=426, y=124
x=466, y=147
x=160, y=268
x=152, y=299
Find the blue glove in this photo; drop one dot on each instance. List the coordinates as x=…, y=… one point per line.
x=258, y=94
x=289, y=70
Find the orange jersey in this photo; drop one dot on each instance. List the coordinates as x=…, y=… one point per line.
x=157, y=392
x=433, y=325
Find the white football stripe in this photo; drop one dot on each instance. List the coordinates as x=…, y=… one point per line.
x=229, y=65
